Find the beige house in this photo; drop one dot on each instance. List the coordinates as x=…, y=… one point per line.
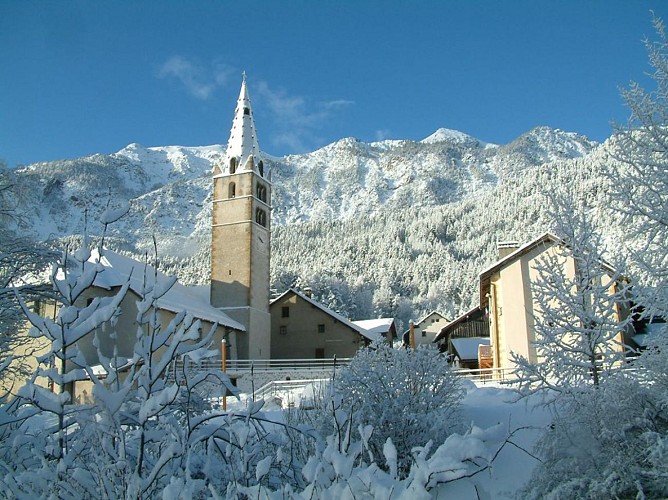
x=506, y=294
x=116, y=271
x=302, y=328
x=426, y=329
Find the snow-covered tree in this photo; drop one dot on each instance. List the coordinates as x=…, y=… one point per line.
x=641, y=181
x=407, y=395
x=22, y=261
x=611, y=442
x=580, y=313
x=145, y=430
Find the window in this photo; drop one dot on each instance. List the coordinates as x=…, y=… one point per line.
x=285, y=312
x=261, y=192
x=247, y=111
x=233, y=190
x=261, y=167
x=283, y=330
x=424, y=333
x=261, y=217
x=233, y=165
x=321, y=328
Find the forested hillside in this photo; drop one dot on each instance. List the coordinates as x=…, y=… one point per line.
x=393, y=228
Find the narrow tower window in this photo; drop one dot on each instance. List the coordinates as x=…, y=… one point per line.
x=261, y=217
x=233, y=190
x=233, y=165
x=261, y=192
x=260, y=166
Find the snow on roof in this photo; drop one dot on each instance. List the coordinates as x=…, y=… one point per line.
x=362, y=331
x=243, y=143
x=194, y=300
x=375, y=326
x=545, y=238
x=467, y=347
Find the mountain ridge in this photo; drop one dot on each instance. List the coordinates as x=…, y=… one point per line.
x=426, y=197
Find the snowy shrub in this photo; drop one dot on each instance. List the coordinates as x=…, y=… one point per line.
x=146, y=431
x=409, y=396
x=448, y=471
x=608, y=443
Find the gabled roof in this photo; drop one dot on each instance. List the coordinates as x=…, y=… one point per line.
x=546, y=239
x=416, y=323
x=426, y=316
x=194, y=300
x=443, y=331
x=375, y=326
x=362, y=331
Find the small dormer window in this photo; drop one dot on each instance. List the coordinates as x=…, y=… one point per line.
x=246, y=111
x=233, y=165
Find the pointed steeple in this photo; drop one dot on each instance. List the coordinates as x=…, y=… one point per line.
x=243, y=151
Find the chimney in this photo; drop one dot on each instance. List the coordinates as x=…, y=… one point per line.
x=505, y=248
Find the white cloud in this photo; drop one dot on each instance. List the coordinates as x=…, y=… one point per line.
x=297, y=119
x=199, y=81
x=383, y=134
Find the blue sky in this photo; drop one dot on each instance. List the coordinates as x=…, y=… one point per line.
x=77, y=78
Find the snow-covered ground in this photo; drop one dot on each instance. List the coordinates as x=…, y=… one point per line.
x=485, y=406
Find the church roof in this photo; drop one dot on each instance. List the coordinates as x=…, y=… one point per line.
x=194, y=300
x=243, y=143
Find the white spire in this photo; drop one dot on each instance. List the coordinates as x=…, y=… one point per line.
x=243, y=151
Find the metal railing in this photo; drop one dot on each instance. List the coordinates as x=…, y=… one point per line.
x=260, y=365
x=278, y=387
x=488, y=375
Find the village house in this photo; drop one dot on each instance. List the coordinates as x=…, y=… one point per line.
x=426, y=329
x=116, y=270
x=385, y=327
x=508, y=304
x=302, y=328
x=466, y=339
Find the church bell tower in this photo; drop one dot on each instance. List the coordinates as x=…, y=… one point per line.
x=240, y=243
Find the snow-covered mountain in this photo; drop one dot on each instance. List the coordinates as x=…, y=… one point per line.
x=169, y=188
x=402, y=189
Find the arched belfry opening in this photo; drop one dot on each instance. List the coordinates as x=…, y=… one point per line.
x=261, y=192
x=261, y=217
x=233, y=165
x=260, y=167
